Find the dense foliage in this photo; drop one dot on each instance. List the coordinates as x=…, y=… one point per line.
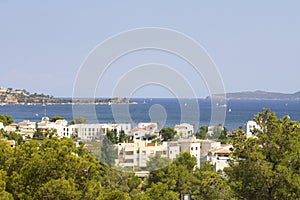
x=266, y=166
x=6, y=119
x=168, y=133
x=57, y=169
x=55, y=118
x=79, y=120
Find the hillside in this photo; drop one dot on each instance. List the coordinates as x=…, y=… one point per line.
x=260, y=95
x=11, y=96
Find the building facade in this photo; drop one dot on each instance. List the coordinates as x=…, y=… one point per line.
x=184, y=130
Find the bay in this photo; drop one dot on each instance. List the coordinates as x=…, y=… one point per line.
x=237, y=114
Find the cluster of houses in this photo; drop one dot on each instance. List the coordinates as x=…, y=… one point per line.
x=138, y=151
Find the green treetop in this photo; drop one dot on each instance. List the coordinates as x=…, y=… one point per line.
x=168, y=133
x=55, y=118
x=79, y=120
x=268, y=165
x=6, y=119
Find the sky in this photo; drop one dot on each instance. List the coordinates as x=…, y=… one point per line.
x=255, y=44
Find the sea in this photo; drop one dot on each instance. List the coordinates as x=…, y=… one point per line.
x=238, y=112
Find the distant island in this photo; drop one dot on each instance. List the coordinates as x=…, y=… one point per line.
x=259, y=95
x=21, y=96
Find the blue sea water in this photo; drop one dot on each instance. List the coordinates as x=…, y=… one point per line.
x=238, y=111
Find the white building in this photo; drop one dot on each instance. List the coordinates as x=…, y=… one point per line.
x=11, y=128
x=151, y=127
x=214, y=130
x=184, y=130
x=219, y=157
x=139, y=133
x=198, y=148
x=193, y=147
x=173, y=149
x=126, y=127
x=144, y=129
x=1, y=125
x=59, y=126
x=250, y=127
x=27, y=125
x=27, y=128
x=86, y=132
x=207, y=145
x=93, y=131
x=136, y=154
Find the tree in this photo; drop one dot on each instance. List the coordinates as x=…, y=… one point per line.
x=160, y=191
x=168, y=133
x=187, y=160
x=180, y=178
x=108, y=152
x=157, y=162
x=176, y=176
x=268, y=165
x=211, y=185
x=3, y=194
x=112, y=136
x=122, y=137
x=6, y=119
x=55, y=118
x=223, y=136
x=14, y=136
x=37, y=168
x=116, y=195
x=150, y=137
x=38, y=133
x=59, y=189
x=79, y=120
x=202, y=133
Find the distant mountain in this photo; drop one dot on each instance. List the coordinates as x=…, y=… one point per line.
x=259, y=95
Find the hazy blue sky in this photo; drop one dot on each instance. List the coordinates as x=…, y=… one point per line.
x=255, y=45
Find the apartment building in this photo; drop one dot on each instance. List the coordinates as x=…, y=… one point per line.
x=126, y=127
x=87, y=132
x=193, y=147
x=136, y=154
x=184, y=130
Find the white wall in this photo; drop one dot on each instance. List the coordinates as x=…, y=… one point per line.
x=184, y=130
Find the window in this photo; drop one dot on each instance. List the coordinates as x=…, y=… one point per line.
x=196, y=148
x=192, y=148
